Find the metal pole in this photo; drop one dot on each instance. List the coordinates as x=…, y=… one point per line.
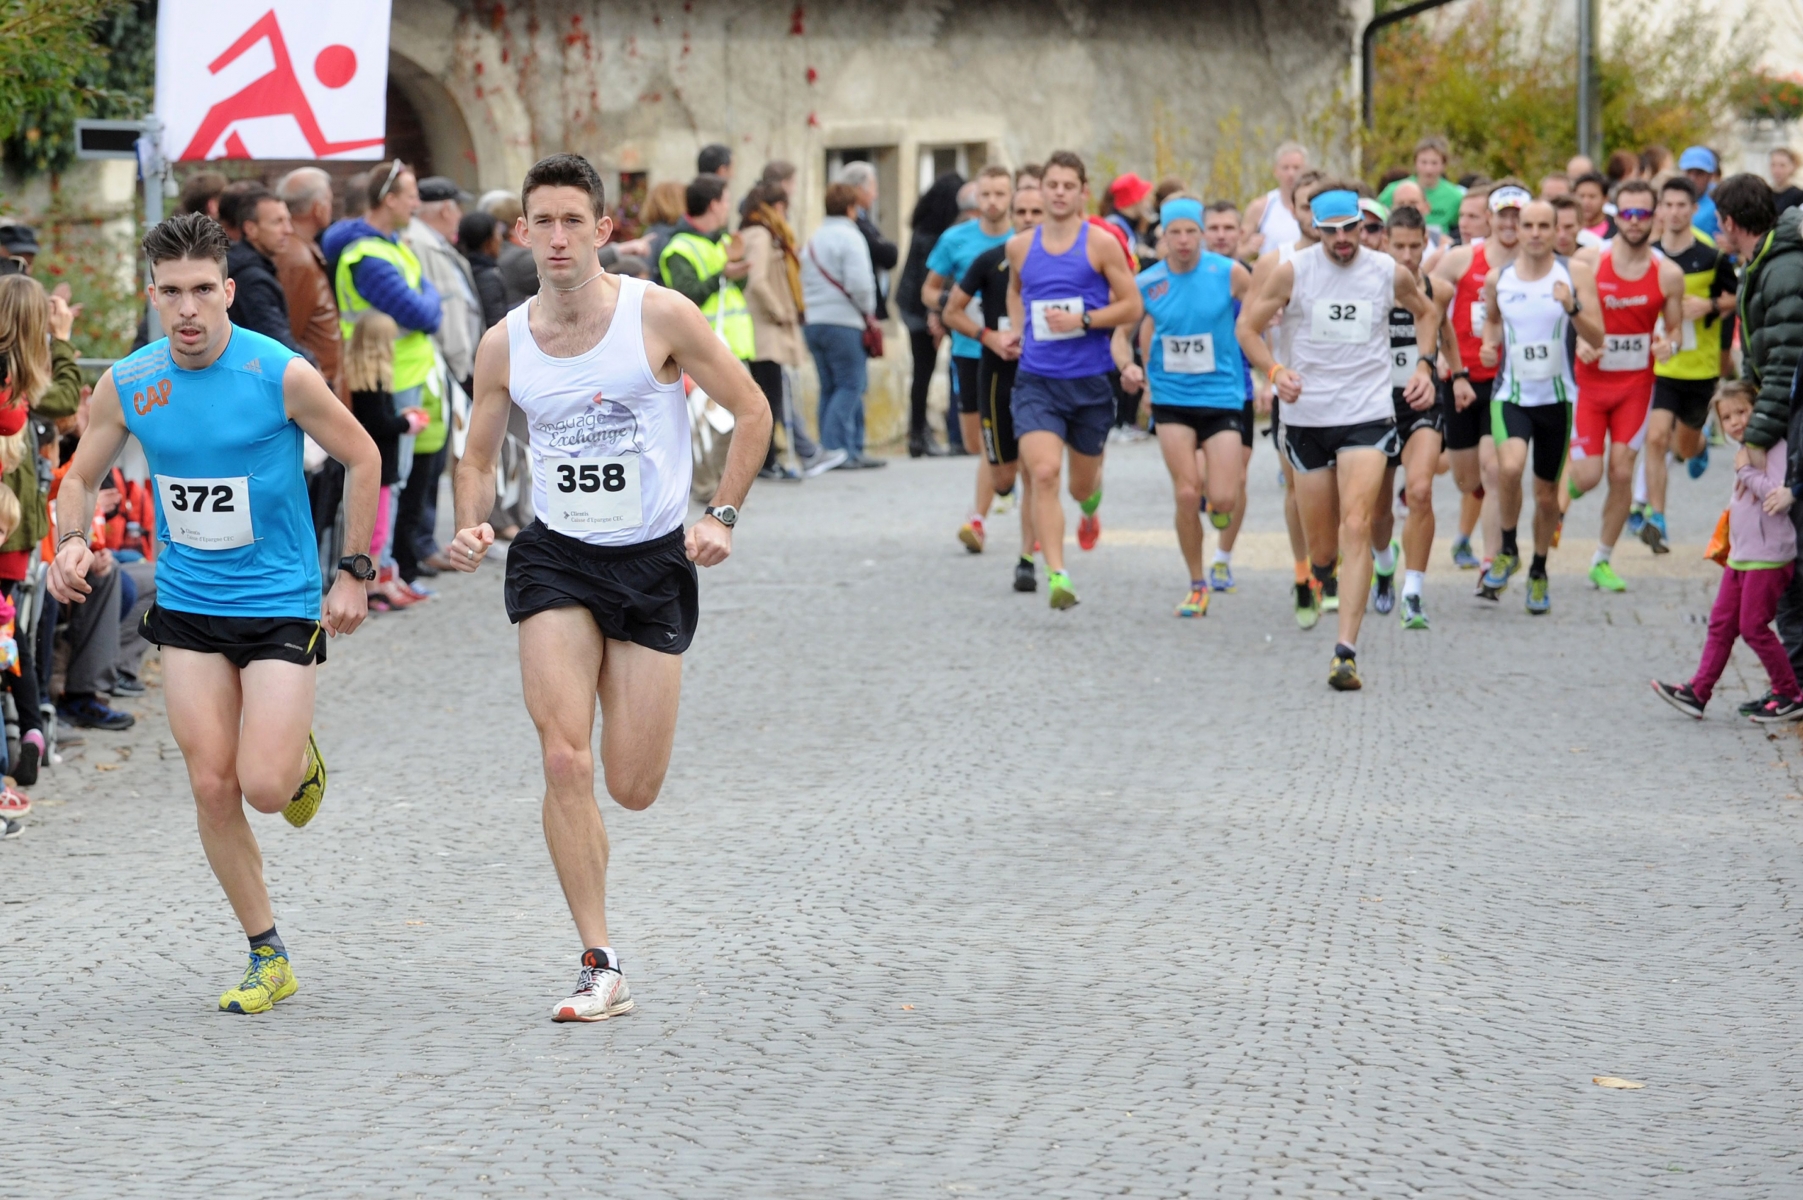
x=153, y=169
x=1589, y=109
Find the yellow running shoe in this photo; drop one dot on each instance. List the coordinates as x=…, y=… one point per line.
x=268, y=978
x=312, y=790
x=1195, y=604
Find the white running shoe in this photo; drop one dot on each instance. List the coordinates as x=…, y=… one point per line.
x=600, y=993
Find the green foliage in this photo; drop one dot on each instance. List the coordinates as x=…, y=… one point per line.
x=1764, y=96
x=96, y=259
x=63, y=59
x=1504, y=92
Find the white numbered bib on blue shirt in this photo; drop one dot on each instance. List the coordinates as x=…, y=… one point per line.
x=1189, y=355
x=1043, y=332
x=207, y=514
x=1344, y=321
x=593, y=495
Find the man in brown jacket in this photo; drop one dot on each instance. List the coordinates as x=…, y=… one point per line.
x=312, y=309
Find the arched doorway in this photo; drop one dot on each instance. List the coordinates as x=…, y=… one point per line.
x=426, y=126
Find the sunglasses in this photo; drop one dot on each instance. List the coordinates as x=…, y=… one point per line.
x=393, y=172
x=1634, y=214
x=1373, y=228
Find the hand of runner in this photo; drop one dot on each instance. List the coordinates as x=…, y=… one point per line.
x=346, y=606
x=468, y=547
x=935, y=326
x=1418, y=392
x=1562, y=294
x=708, y=542
x=1778, y=501
x=1007, y=346
x=1060, y=320
x=1697, y=307
x=1288, y=384
x=1486, y=355
x=1133, y=378
x=68, y=574
x=1663, y=349
x=1588, y=353
x=1463, y=394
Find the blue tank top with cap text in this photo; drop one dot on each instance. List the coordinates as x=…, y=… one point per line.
x=234, y=525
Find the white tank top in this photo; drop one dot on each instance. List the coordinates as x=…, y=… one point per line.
x=1535, y=369
x=1285, y=335
x=1277, y=223
x=1341, y=340
x=610, y=454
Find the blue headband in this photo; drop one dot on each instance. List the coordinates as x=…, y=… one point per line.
x=1334, y=207
x=1180, y=209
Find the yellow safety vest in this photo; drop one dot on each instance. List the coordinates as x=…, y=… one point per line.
x=725, y=308
x=413, y=350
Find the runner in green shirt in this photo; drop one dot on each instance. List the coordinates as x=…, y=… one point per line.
x=1442, y=194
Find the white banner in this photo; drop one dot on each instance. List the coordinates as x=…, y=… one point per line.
x=272, y=79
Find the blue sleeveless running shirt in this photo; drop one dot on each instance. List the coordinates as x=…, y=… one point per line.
x=1195, y=360
x=233, y=520
x=1064, y=281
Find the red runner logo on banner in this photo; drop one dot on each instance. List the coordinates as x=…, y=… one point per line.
x=286, y=79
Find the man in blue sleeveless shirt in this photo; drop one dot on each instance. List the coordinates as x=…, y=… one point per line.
x=1070, y=285
x=220, y=412
x=1197, y=378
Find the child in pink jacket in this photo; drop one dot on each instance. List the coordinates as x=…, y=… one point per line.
x=1762, y=552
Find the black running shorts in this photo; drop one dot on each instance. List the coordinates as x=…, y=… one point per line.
x=1410, y=421
x=1546, y=426
x=969, y=393
x=1317, y=447
x=995, y=392
x=242, y=640
x=1686, y=399
x=1205, y=421
x=1248, y=418
x=1463, y=429
x=646, y=593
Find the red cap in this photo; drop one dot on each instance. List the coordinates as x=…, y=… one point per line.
x=1128, y=190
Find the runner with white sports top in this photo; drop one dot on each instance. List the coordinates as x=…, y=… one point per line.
x=1418, y=429
x=1069, y=285
x=1466, y=403
x=221, y=414
x=602, y=585
x=1272, y=220
x=1339, y=424
x=1528, y=306
x=1196, y=379
x=984, y=289
x=1615, y=377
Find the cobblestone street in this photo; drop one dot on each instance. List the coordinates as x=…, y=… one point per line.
x=948, y=893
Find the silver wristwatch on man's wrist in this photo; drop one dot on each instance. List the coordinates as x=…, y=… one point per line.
x=726, y=514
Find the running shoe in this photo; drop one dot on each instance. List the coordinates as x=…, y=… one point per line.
x=971, y=534
x=90, y=713
x=1653, y=533
x=31, y=750
x=601, y=992
x=1753, y=706
x=1330, y=593
x=1540, y=600
x=1089, y=531
x=1680, y=697
x=126, y=685
x=1004, y=502
x=10, y=829
x=13, y=803
x=1699, y=464
x=1195, y=604
x=823, y=461
x=1780, y=710
x=1383, y=584
x=267, y=979
x=1462, y=557
x=1343, y=676
x=1059, y=585
x=1636, y=519
x=1602, y=575
x=1495, y=581
x=1220, y=577
x=312, y=790
x=1308, y=605
x=1024, y=579
x=1414, y=616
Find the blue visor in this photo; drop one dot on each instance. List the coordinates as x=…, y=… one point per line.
x=1180, y=209
x=1334, y=208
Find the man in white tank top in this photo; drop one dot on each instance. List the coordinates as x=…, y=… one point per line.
x=602, y=585
x=1271, y=219
x=1339, y=423
x=1527, y=306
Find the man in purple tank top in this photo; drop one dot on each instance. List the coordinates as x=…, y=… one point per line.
x=1069, y=286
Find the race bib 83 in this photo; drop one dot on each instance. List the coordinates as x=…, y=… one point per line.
x=1536, y=360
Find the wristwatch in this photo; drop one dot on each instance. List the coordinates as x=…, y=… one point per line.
x=1462, y=373
x=1086, y=320
x=726, y=514
x=358, y=566
x=1577, y=306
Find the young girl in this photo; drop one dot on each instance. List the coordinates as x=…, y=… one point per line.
x=1762, y=552
x=369, y=374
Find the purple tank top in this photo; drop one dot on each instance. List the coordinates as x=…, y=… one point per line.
x=1055, y=280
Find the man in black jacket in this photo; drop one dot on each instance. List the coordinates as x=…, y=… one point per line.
x=884, y=253
x=259, y=226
